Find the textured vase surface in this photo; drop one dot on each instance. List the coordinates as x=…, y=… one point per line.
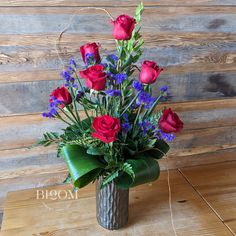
x=112, y=206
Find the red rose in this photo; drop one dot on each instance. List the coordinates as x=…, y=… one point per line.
x=95, y=77
x=106, y=128
x=149, y=72
x=123, y=27
x=170, y=122
x=62, y=95
x=90, y=48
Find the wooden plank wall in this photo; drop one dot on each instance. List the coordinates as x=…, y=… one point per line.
x=195, y=40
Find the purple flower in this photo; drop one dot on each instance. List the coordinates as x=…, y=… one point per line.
x=145, y=99
x=66, y=75
x=161, y=135
x=45, y=114
x=105, y=65
x=120, y=78
x=53, y=106
x=164, y=89
x=113, y=57
x=79, y=95
x=126, y=125
x=90, y=59
x=72, y=62
x=146, y=126
x=138, y=86
x=112, y=92
x=51, y=113
x=164, y=93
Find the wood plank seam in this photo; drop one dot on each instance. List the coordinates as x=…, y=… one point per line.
x=122, y=6
x=205, y=200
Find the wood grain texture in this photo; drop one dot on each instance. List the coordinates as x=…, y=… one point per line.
x=194, y=40
x=23, y=130
x=34, y=96
x=35, y=58
x=190, y=42
x=213, y=120
x=64, y=3
x=165, y=19
x=148, y=215
x=219, y=190
x=31, y=181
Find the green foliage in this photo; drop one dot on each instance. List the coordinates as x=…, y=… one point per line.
x=138, y=12
x=48, y=139
x=68, y=179
x=145, y=170
x=127, y=168
x=83, y=168
x=131, y=159
x=109, y=178
x=95, y=151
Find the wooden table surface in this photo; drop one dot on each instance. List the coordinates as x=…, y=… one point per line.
x=203, y=202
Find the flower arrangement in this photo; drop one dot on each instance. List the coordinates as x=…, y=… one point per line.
x=114, y=128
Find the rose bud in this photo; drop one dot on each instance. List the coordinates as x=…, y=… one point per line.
x=95, y=77
x=170, y=122
x=90, y=49
x=62, y=95
x=149, y=72
x=123, y=27
x=106, y=128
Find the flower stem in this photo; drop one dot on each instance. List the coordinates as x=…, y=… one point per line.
x=137, y=116
x=149, y=112
x=75, y=122
x=130, y=104
x=75, y=105
x=82, y=88
x=99, y=104
x=59, y=117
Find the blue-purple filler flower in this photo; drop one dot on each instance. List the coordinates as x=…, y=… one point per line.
x=164, y=93
x=137, y=86
x=53, y=105
x=120, y=78
x=146, y=126
x=126, y=125
x=145, y=99
x=164, y=89
x=161, y=135
x=90, y=59
x=113, y=93
x=79, y=95
x=66, y=75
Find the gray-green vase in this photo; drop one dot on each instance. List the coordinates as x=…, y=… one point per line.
x=112, y=205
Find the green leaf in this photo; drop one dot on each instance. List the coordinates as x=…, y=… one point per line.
x=159, y=150
x=110, y=178
x=153, y=153
x=83, y=167
x=86, y=123
x=68, y=179
x=127, y=168
x=162, y=145
x=138, y=12
x=95, y=151
x=145, y=170
x=48, y=139
x=89, y=105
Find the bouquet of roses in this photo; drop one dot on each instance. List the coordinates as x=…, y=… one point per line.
x=114, y=129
